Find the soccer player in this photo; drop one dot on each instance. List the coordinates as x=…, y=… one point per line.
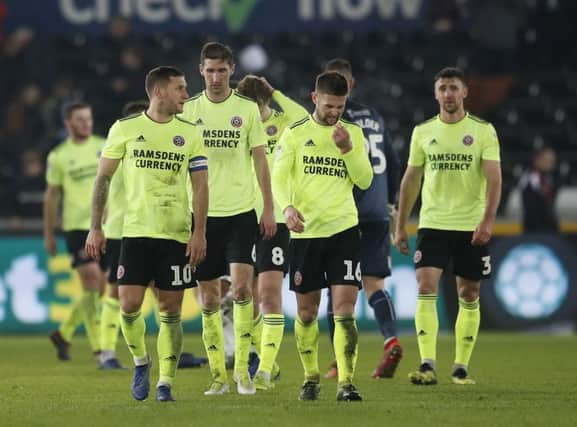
x=232, y=135
x=272, y=254
x=375, y=205
x=71, y=171
x=319, y=160
x=458, y=155
x=159, y=152
x=115, y=210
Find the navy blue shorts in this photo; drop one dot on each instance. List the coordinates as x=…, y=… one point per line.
x=375, y=249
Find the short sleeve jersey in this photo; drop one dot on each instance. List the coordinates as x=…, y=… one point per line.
x=452, y=154
x=73, y=167
x=156, y=160
x=312, y=175
x=274, y=126
x=116, y=206
x=229, y=130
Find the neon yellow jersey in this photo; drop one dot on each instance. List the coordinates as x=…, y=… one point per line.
x=274, y=127
x=454, y=187
x=230, y=130
x=115, y=207
x=73, y=167
x=156, y=160
x=311, y=174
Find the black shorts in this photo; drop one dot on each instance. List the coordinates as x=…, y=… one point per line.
x=272, y=255
x=143, y=259
x=436, y=247
x=319, y=263
x=75, y=242
x=112, y=257
x=228, y=239
x=375, y=249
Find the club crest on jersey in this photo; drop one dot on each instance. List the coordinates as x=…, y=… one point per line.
x=468, y=140
x=417, y=257
x=271, y=130
x=298, y=278
x=120, y=272
x=236, y=122
x=178, y=141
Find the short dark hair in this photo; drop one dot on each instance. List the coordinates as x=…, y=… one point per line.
x=134, y=107
x=332, y=83
x=215, y=50
x=252, y=87
x=160, y=75
x=449, y=73
x=70, y=107
x=340, y=65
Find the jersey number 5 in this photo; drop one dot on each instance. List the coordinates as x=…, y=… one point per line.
x=376, y=153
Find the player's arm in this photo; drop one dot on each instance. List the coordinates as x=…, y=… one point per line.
x=492, y=172
x=291, y=108
x=52, y=196
x=410, y=188
x=393, y=168
x=281, y=182
x=95, y=242
x=267, y=222
x=196, y=248
x=353, y=150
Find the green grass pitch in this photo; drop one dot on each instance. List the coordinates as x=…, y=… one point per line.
x=522, y=380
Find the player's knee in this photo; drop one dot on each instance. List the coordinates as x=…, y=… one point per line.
x=241, y=293
x=307, y=315
x=129, y=305
x=468, y=294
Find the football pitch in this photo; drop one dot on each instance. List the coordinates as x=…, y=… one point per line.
x=522, y=380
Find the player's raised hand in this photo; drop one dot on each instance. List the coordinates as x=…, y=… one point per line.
x=294, y=220
x=95, y=244
x=266, y=84
x=196, y=248
x=402, y=241
x=342, y=139
x=267, y=224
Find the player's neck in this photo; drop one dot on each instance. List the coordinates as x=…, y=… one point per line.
x=158, y=115
x=218, y=97
x=265, y=112
x=455, y=117
x=79, y=139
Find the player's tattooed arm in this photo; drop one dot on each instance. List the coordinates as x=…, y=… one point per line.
x=99, y=197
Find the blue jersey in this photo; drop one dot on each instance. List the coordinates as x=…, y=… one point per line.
x=372, y=203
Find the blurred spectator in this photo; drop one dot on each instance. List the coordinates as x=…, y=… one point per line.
x=62, y=92
x=23, y=126
x=539, y=187
x=28, y=189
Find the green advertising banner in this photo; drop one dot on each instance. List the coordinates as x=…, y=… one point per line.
x=36, y=292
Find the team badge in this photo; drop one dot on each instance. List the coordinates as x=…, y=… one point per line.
x=298, y=278
x=178, y=141
x=417, y=257
x=271, y=130
x=120, y=272
x=468, y=140
x=236, y=122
